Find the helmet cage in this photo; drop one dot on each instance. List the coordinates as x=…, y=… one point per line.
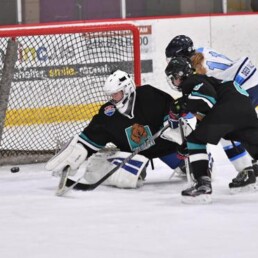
x=178, y=68
x=121, y=81
x=171, y=78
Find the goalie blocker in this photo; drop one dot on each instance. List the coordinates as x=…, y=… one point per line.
x=73, y=154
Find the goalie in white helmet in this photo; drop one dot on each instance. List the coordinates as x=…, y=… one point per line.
x=121, y=87
x=131, y=116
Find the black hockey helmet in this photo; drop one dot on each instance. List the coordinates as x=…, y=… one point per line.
x=179, y=67
x=180, y=45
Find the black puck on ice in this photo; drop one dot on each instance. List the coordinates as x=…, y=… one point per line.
x=15, y=169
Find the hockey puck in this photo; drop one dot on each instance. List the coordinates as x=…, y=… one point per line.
x=15, y=169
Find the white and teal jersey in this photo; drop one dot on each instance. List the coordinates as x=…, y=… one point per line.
x=241, y=71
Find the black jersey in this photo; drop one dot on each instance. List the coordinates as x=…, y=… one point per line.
x=226, y=107
x=150, y=111
x=200, y=93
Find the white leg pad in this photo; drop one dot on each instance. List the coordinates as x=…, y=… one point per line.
x=127, y=176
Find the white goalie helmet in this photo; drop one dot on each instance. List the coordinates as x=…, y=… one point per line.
x=122, y=81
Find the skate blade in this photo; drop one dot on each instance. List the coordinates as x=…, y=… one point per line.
x=246, y=189
x=201, y=199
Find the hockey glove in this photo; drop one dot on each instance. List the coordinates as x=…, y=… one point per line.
x=182, y=151
x=173, y=120
x=179, y=106
x=72, y=153
x=177, y=110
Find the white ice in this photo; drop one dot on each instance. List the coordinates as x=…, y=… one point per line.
x=150, y=222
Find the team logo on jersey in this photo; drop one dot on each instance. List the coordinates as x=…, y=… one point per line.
x=109, y=110
x=137, y=134
x=198, y=86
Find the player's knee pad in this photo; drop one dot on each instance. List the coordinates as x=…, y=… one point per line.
x=72, y=153
x=127, y=176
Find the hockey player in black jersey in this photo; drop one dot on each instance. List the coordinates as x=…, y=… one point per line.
x=225, y=111
x=126, y=120
x=213, y=63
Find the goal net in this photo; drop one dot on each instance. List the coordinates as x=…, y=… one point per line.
x=51, y=79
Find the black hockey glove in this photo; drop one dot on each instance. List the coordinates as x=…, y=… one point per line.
x=178, y=108
x=182, y=151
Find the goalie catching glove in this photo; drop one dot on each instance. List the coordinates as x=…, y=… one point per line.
x=72, y=154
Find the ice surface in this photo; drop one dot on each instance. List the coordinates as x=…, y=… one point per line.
x=148, y=222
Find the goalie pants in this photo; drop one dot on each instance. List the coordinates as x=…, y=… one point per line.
x=234, y=119
x=172, y=160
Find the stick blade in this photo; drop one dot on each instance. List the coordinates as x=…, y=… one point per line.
x=61, y=189
x=80, y=186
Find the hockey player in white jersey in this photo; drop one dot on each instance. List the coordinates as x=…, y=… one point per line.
x=212, y=63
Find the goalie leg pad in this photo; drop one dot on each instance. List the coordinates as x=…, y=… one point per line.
x=72, y=153
x=127, y=176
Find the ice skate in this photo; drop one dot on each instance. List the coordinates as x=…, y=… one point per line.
x=245, y=181
x=199, y=193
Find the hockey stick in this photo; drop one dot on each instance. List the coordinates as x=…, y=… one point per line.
x=61, y=189
x=187, y=162
x=71, y=184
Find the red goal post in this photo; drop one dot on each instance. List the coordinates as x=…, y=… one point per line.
x=53, y=86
